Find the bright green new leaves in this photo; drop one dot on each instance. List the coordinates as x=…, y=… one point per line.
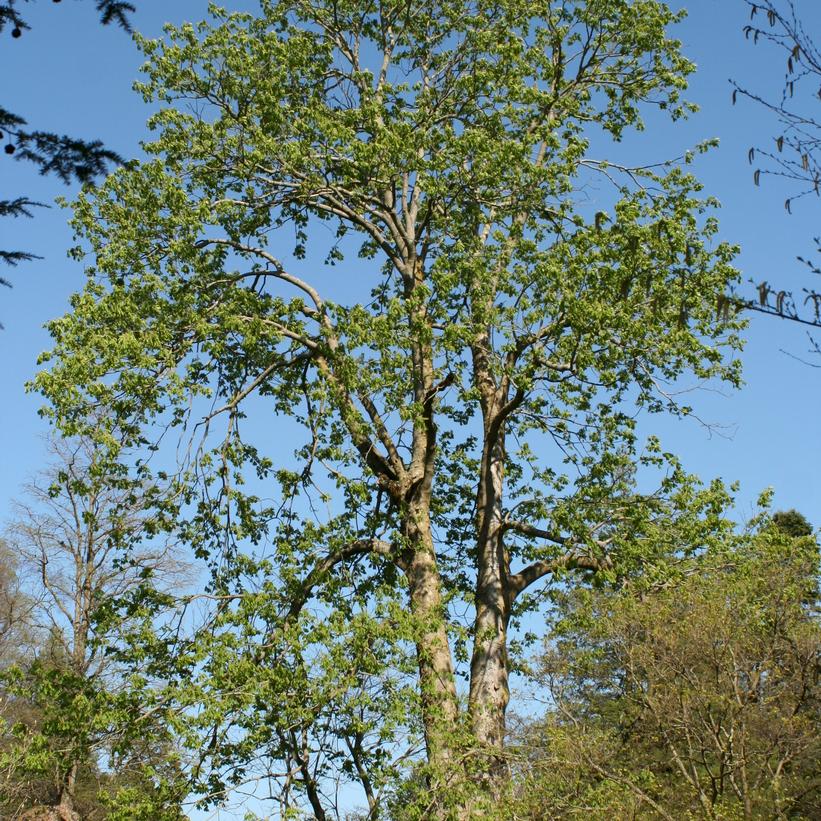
x=360, y=229
x=55, y=722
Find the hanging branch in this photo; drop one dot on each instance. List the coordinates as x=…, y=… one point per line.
x=794, y=154
x=66, y=157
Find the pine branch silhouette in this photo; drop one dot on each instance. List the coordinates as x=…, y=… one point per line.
x=66, y=157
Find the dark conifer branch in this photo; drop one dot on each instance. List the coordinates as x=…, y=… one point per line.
x=68, y=158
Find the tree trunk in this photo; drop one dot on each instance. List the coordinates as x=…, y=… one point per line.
x=66, y=804
x=489, y=689
x=440, y=710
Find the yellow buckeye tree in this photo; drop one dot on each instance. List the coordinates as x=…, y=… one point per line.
x=467, y=371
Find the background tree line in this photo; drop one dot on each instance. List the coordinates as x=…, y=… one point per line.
x=690, y=696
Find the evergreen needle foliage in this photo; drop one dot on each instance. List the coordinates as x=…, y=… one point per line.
x=66, y=157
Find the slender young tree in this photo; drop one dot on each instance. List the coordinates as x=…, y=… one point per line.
x=467, y=376
x=72, y=539
x=15, y=607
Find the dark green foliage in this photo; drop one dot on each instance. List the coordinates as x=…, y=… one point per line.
x=68, y=158
x=18, y=207
x=792, y=523
x=115, y=11
x=53, y=722
x=65, y=157
x=695, y=696
x=110, y=11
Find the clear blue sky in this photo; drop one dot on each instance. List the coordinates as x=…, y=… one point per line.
x=70, y=75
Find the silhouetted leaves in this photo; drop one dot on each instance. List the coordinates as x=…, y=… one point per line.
x=65, y=157
x=795, y=158
x=68, y=158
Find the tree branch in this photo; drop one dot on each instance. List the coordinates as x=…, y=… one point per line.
x=569, y=561
x=321, y=570
x=527, y=529
x=279, y=270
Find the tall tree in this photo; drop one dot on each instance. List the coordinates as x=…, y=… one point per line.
x=468, y=397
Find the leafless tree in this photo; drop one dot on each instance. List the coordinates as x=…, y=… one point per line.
x=83, y=535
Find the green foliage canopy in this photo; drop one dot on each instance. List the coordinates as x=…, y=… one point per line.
x=468, y=393
x=696, y=696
